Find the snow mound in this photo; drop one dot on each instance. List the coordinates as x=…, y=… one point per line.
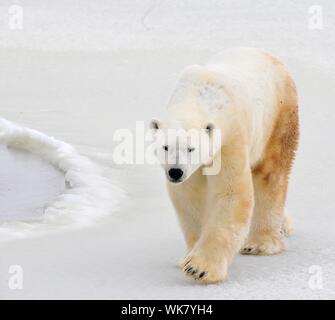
x=88, y=196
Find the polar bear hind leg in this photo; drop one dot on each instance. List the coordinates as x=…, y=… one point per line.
x=270, y=179
x=287, y=226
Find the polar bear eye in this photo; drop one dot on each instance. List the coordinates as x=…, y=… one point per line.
x=154, y=124
x=209, y=128
x=190, y=149
x=166, y=148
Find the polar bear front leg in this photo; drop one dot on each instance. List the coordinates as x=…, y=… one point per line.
x=191, y=236
x=224, y=229
x=188, y=216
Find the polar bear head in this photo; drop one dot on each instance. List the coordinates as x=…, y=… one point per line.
x=182, y=150
x=189, y=136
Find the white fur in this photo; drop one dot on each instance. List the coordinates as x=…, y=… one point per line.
x=233, y=70
x=259, y=93
x=241, y=92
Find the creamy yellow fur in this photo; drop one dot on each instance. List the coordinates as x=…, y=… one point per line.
x=255, y=107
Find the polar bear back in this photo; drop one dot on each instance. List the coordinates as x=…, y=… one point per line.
x=263, y=81
x=257, y=76
x=242, y=81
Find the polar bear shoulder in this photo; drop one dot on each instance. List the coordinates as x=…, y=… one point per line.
x=241, y=81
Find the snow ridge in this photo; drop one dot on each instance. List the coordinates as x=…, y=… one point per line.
x=88, y=196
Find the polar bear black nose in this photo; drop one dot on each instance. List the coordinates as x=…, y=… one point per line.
x=175, y=174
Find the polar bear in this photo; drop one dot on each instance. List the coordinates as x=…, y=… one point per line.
x=249, y=97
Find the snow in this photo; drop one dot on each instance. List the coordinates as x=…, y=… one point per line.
x=79, y=70
x=88, y=194
x=17, y=199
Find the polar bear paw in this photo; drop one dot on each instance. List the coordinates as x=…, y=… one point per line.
x=263, y=246
x=204, y=270
x=287, y=227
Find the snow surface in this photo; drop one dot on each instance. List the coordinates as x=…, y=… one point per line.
x=78, y=70
x=17, y=199
x=87, y=196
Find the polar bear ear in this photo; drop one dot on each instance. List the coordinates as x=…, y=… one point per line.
x=209, y=128
x=154, y=124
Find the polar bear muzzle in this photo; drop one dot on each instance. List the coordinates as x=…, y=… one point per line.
x=175, y=175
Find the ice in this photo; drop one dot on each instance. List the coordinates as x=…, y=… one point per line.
x=87, y=196
x=27, y=184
